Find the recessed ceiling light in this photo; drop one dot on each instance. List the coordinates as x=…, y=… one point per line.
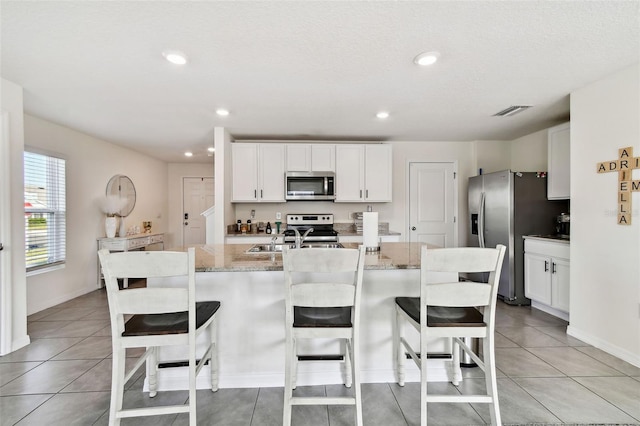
x=222, y=112
x=426, y=58
x=211, y=149
x=175, y=57
x=188, y=154
x=382, y=114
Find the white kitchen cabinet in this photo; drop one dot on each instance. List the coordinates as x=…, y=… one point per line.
x=258, y=172
x=323, y=158
x=363, y=173
x=311, y=157
x=546, y=275
x=559, y=152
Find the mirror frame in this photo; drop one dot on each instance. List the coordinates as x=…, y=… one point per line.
x=123, y=187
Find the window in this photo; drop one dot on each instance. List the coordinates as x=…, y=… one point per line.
x=44, y=211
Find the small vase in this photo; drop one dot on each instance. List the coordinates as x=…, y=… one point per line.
x=110, y=226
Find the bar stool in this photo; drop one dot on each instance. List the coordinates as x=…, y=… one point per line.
x=454, y=310
x=322, y=300
x=158, y=317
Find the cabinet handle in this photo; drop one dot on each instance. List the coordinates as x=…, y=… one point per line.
x=261, y=196
x=361, y=193
x=255, y=193
x=367, y=193
x=553, y=270
x=546, y=265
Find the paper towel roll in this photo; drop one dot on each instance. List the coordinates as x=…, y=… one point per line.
x=370, y=231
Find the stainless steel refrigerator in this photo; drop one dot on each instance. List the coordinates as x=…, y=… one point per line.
x=504, y=206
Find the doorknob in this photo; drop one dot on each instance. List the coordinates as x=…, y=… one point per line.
x=413, y=228
x=186, y=223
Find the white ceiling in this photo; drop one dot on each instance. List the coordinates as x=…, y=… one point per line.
x=301, y=70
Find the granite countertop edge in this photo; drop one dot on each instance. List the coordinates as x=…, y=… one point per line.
x=233, y=258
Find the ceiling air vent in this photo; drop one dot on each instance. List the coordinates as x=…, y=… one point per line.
x=512, y=110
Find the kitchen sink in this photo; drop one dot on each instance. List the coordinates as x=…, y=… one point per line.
x=277, y=248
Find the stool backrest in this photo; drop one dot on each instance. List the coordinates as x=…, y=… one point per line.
x=323, y=277
x=148, y=264
x=461, y=260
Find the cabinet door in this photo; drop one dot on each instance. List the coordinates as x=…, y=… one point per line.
x=298, y=157
x=378, y=170
x=244, y=169
x=323, y=158
x=537, y=278
x=559, y=151
x=349, y=173
x=271, y=172
x=560, y=284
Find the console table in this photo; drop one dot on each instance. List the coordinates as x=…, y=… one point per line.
x=128, y=243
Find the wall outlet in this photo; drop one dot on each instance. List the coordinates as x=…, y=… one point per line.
x=278, y=216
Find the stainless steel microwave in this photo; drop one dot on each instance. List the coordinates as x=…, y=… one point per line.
x=310, y=186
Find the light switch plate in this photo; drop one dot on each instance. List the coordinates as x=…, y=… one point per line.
x=278, y=216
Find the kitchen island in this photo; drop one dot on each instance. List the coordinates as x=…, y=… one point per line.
x=251, y=335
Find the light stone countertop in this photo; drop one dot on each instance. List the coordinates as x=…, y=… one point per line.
x=548, y=238
x=233, y=257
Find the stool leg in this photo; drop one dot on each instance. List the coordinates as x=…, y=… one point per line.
x=294, y=365
x=213, y=360
x=398, y=350
x=490, y=377
x=152, y=370
x=348, y=353
x=357, y=391
x=455, y=358
x=117, y=384
x=289, y=368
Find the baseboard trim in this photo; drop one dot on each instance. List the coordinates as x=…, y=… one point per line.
x=599, y=343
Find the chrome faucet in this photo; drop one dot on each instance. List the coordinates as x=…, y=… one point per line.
x=300, y=239
x=272, y=244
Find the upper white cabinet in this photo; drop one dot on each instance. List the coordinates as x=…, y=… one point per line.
x=311, y=157
x=559, y=151
x=363, y=173
x=258, y=172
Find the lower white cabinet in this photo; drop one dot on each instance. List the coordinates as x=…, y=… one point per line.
x=546, y=275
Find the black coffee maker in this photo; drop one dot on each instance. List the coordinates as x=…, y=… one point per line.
x=563, y=223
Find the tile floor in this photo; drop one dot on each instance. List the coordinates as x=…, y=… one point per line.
x=545, y=377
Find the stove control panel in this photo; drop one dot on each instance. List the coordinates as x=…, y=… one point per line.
x=310, y=219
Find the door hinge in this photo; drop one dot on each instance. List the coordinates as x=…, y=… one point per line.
x=454, y=175
x=454, y=219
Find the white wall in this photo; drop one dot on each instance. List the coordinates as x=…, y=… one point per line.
x=176, y=172
x=605, y=257
x=13, y=320
x=529, y=152
x=91, y=162
x=491, y=156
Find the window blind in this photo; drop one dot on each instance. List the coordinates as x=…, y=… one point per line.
x=44, y=210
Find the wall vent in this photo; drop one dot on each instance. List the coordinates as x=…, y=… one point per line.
x=512, y=110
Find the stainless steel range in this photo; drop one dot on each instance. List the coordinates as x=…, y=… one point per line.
x=317, y=227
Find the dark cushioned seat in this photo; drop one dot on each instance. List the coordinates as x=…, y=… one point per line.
x=321, y=317
x=442, y=316
x=173, y=323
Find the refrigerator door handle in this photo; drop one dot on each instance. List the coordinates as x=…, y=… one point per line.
x=481, y=221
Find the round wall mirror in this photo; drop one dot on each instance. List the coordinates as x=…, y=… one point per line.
x=121, y=186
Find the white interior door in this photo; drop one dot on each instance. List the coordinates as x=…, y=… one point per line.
x=198, y=196
x=432, y=206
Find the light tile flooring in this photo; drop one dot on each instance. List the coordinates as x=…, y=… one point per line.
x=545, y=377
